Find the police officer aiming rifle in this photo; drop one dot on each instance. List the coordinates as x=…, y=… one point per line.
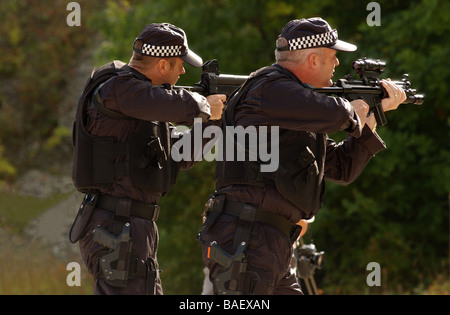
x=122, y=158
x=251, y=218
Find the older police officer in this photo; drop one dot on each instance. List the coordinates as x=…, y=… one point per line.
x=251, y=219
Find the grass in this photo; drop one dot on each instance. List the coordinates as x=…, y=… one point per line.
x=29, y=268
x=16, y=211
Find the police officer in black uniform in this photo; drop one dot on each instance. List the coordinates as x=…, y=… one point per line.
x=122, y=159
x=251, y=219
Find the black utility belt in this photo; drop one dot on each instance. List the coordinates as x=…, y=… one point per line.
x=290, y=229
x=124, y=207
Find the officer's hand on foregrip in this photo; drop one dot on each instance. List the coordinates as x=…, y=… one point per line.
x=216, y=103
x=396, y=96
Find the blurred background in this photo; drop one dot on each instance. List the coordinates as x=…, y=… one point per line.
x=395, y=214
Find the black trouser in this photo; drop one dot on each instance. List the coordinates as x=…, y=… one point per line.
x=268, y=255
x=144, y=238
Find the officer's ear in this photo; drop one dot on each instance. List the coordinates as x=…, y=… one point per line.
x=314, y=60
x=163, y=66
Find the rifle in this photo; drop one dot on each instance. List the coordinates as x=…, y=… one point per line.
x=368, y=87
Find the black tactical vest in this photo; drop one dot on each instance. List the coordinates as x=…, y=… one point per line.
x=299, y=177
x=144, y=158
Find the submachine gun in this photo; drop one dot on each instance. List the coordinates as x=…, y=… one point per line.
x=368, y=87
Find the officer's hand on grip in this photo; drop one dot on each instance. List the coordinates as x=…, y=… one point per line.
x=361, y=109
x=216, y=103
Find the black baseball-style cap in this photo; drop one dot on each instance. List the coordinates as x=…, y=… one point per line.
x=166, y=40
x=311, y=33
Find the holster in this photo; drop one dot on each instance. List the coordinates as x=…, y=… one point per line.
x=84, y=214
x=115, y=264
x=213, y=209
x=235, y=279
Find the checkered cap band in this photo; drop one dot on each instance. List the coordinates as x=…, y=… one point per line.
x=161, y=51
x=312, y=41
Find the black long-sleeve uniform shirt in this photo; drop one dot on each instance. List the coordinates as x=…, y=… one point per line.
x=133, y=95
x=284, y=101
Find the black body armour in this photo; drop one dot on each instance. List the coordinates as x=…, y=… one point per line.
x=144, y=158
x=299, y=177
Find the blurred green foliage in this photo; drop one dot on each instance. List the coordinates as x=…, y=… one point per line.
x=396, y=213
x=39, y=55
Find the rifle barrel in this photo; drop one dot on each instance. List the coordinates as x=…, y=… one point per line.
x=230, y=79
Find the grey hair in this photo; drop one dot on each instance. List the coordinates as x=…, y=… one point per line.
x=296, y=56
